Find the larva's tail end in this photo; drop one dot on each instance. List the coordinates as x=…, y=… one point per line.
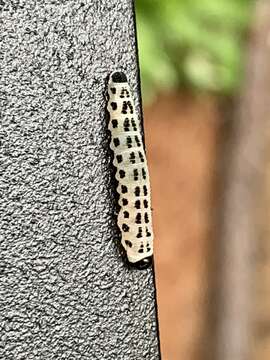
x=143, y=264
x=118, y=77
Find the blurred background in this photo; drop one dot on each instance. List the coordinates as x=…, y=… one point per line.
x=193, y=55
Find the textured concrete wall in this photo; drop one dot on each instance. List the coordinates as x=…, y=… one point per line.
x=65, y=292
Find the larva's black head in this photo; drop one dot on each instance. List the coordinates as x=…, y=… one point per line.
x=144, y=263
x=119, y=77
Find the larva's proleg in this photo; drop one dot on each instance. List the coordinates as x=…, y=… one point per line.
x=134, y=218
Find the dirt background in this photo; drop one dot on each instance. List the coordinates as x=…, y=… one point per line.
x=181, y=134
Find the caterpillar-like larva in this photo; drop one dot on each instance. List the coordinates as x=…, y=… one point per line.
x=134, y=218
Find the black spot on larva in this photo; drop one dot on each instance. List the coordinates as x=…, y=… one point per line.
x=145, y=203
x=140, y=251
x=148, y=249
x=119, y=77
x=116, y=142
x=126, y=125
x=129, y=142
x=145, y=192
x=113, y=90
x=146, y=218
x=114, y=123
x=133, y=123
x=148, y=234
x=124, y=202
x=125, y=227
x=137, y=204
x=138, y=219
x=119, y=158
x=136, y=174
x=139, y=234
x=144, y=174
x=122, y=174
x=128, y=243
x=127, y=106
x=132, y=158
x=126, y=214
x=124, y=93
x=137, y=191
x=137, y=140
x=124, y=189
x=141, y=156
x=114, y=105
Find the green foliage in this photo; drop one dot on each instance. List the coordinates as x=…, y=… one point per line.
x=197, y=44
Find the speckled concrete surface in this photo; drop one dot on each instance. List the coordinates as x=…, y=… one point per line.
x=65, y=292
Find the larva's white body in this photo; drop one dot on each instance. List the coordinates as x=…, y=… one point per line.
x=134, y=218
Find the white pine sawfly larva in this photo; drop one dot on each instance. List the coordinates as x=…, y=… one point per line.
x=134, y=218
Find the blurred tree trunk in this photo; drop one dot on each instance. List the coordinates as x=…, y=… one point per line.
x=238, y=232
x=262, y=288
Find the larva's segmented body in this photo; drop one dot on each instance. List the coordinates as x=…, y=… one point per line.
x=134, y=218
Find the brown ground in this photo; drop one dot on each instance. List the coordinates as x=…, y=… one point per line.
x=181, y=142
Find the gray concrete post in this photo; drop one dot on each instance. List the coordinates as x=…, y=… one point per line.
x=65, y=292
